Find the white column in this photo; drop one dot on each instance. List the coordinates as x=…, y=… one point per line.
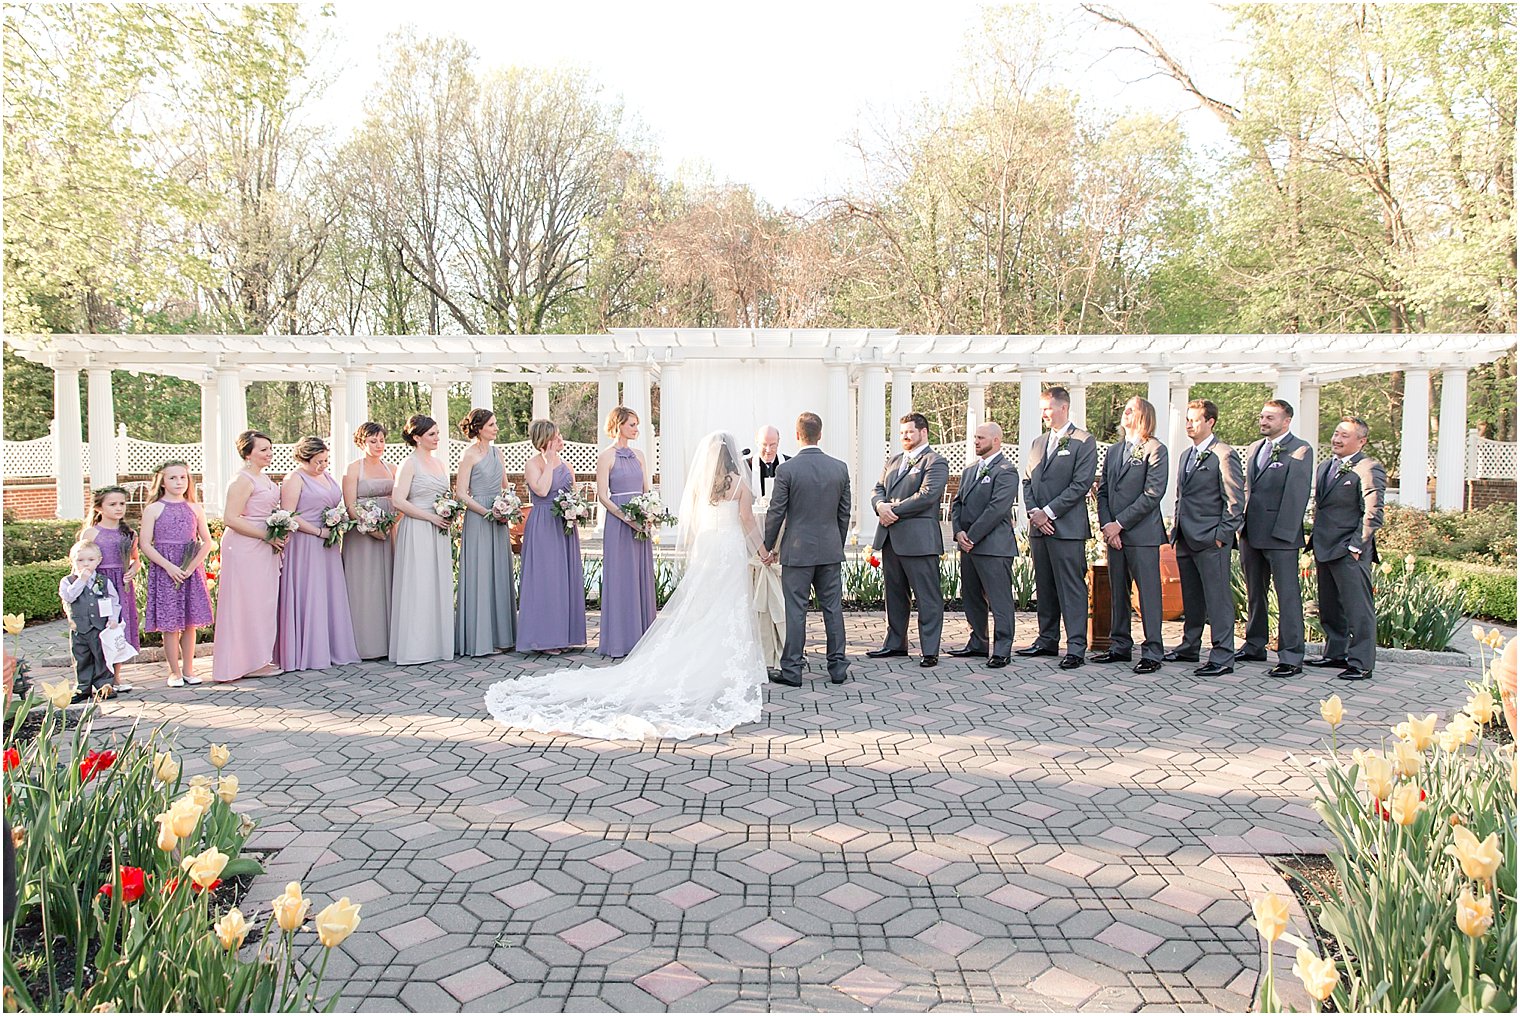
x=836, y=413
x=1289, y=386
x=1029, y=413
x=1079, y=404
x=355, y=401
x=102, y=426
x=902, y=397
x=1451, y=439
x=606, y=398
x=1414, y=443
x=480, y=389
x=976, y=412
x=873, y=435
x=231, y=419
x=1306, y=422
x=1172, y=429
x=438, y=392
x=675, y=451
x=636, y=398
x=1159, y=395
x=213, y=480
x=121, y=449
x=541, y=400
x=70, y=461
x=339, y=446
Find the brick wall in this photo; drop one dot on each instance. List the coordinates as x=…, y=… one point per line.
x=30, y=501
x=1482, y=493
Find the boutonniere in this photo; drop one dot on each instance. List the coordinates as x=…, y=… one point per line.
x=1276, y=452
x=981, y=471
x=1138, y=455
x=1061, y=444
x=1343, y=470
x=1206, y=453
x=98, y=585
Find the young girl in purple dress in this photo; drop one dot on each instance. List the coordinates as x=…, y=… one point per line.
x=120, y=561
x=175, y=541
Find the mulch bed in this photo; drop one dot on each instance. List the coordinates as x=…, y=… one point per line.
x=1313, y=877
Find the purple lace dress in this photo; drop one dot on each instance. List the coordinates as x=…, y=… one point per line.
x=189, y=605
x=115, y=555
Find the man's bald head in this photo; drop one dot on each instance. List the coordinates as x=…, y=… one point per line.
x=988, y=439
x=768, y=441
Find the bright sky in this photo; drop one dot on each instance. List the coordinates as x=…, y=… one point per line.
x=769, y=96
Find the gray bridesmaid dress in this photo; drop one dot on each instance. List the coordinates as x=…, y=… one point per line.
x=484, y=617
x=367, y=565
x=422, y=590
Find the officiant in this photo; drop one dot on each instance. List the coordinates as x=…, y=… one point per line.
x=763, y=461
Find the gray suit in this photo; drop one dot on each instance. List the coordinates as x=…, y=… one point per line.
x=1130, y=493
x=811, y=496
x=983, y=510
x=1061, y=482
x=911, y=547
x=1203, y=532
x=1348, y=513
x=1277, y=494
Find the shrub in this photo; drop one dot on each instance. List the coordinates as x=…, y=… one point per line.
x=1481, y=536
x=45, y=540
x=1490, y=591
x=32, y=589
x=1414, y=610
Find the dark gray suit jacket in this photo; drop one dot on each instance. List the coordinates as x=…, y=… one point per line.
x=915, y=498
x=983, y=509
x=1278, y=496
x=1349, y=508
x=812, y=496
x=1208, y=499
x=1130, y=492
x=1062, y=482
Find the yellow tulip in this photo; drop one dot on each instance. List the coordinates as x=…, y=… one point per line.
x=246, y=826
x=183, y=815
x=1377, y=774
x=14, y=623
x=1406, y=761
x=220, y=756
x=1420, y=732
x=206, y=867
x=201, y=780
x=337, y=921
x=1386, y=567
x=227, y=789
x=1463, y=727
x=1474, y=916
x=290, y=907
x=1331, y=710
x=1408, y=560
x=1319, y=976
x=58, y=693
x=1481, y=707
x=1479, y=635
x=1406, y=804
x=202, y=796
x=167, y=838
x=1450, y=742
x=1495, y=639
x=231, y=930
x=1271, y=913
x=1478, y=860
x=165, y=769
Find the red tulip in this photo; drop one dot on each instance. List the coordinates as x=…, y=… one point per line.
x=12, y=759
x=93, y=763
x=133, y=884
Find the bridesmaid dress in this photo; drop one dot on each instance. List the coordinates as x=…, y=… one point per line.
x=248, y=591
x=316, y=630
x=552, y=599
x=628, y=606
x=171, y=607
x=422, y=590
x=115, y=555
x=484, y=616
x=367, y=568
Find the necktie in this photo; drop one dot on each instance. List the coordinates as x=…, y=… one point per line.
x=1192, y=461
x=907, y=463
x=1264, y=456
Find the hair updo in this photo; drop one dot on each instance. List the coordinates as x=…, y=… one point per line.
x=366, y=431
x=309, y=448
x=541, y=432
x=247, y=440
x=417, y=425
x=474, y=422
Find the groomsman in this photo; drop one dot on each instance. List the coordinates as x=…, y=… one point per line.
x=1062, y=462
x=907, y=500
x=1129, y=510
x=981, y=517
x=1347, y=515
x=1207, y=519
x=1279, y=468
x=764, y=461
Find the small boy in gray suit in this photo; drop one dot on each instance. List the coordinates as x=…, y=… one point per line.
x=92, y=605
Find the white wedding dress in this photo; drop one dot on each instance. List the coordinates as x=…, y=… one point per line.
x=699, y=668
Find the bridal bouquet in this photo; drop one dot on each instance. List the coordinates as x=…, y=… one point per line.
x=280, y=524
x=371, y=518
x=650, y=513
x=337, y=522
x=573, y=508
x=506, y=509
x=448, y=507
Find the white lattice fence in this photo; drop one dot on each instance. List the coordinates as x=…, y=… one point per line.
x=147, y=456
x=29, y=458
x=1490, y=460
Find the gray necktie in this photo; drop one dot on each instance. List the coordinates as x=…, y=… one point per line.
x=1264, y=456
x=1192, y=461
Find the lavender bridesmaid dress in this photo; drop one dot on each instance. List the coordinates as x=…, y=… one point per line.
x=316, y=630
x=628, y=605
x=551, y=603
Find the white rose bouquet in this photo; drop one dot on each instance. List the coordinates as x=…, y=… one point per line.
x=649, y=513
x=573, y=509
x=506, y=509
x=279, y=524
x=337, y=522
x=371, y=518
x=449, y=508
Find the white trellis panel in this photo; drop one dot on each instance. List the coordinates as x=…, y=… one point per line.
x=147, y=456
x=1490, y=460
x=30, y=458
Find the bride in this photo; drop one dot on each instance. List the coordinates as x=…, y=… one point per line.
x=699, y=668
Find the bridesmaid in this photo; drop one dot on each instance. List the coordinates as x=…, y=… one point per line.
x=248, y=600
x=552, y=599
x=422, y=593
x=484, y=615
x=316, y=630
x=368, y=557
x=627, y=562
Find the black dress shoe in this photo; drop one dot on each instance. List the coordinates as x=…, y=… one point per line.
x=1173, y=656
x=929, y=661
x=1245, y=657
x=1147, y=666
x=838, y=680
x=1111, y=657
x=997, y=662
x=1070, y=662
x=1213, y=670
x=80, y=696
x=968, y=651
x=1036, y=651
x=882, y=654
x=1328, y=661
x=790, y=682
x=1354, y=674
x=1285, y=670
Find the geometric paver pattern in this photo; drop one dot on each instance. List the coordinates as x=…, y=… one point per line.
x=1026, y=838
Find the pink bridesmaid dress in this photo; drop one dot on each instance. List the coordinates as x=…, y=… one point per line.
x=249, y=592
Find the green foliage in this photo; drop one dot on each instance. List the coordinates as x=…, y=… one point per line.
x=1489, y=592
x=29, y=541
x=1415, y=610
x=32, y=589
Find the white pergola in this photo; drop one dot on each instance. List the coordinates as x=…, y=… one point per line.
x=711, y=378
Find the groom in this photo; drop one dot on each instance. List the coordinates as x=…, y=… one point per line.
x=811, y=495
